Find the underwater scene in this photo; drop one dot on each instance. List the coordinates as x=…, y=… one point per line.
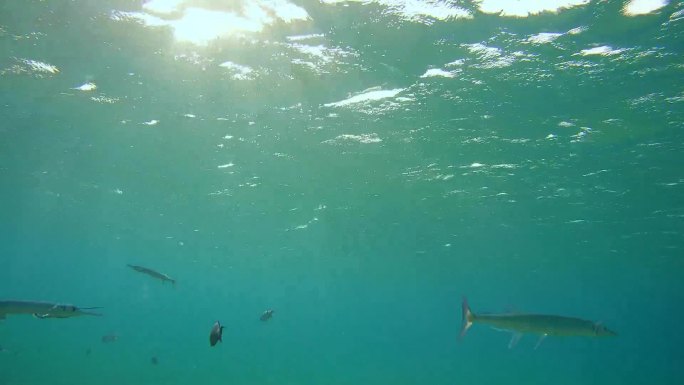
x=341, y=192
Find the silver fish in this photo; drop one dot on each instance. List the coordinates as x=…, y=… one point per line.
x=44, y=309
x=540, y=324
x=152, y=273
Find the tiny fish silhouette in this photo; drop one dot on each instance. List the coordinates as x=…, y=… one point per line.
x=154, y=360
x=216, y=333
x=265, y=316
x=109, y=338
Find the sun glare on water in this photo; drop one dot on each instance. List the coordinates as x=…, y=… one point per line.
x=199, y=25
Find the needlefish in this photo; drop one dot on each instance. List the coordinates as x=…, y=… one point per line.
x=44, y=309
x=152, y=273
x=540, y=324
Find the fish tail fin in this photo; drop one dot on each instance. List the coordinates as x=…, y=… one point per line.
x=467, y=317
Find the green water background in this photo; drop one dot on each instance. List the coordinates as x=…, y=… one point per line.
x=466, y=194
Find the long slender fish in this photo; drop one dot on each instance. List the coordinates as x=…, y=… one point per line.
x=543, y=325
x=153, y=273
x=43, y=309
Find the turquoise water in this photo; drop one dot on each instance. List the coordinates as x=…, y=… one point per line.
x=358, y=168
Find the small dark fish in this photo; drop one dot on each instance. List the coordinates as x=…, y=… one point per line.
x=154, y=360
x=109, y=338
x=216, y=333
x=265, y=316
x=88, y=352
x=3, y=350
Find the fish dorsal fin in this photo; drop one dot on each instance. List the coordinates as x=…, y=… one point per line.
x=512, y=310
